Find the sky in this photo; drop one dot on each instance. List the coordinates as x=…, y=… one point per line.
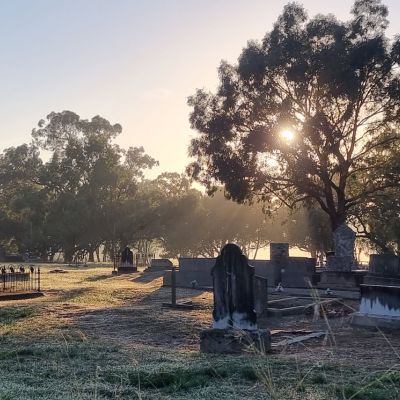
x=134, y=62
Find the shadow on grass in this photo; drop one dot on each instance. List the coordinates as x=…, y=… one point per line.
x=97, y=278
x=72, y=294
x=147, y=277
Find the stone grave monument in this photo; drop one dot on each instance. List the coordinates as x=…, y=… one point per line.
x=126, y=265
x=234, y=317
x=160, y=264
x=379, y=307
x=340, y=265
x=384, y=269
x=343, y=244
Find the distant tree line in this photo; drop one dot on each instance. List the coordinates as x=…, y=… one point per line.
x=74, y=191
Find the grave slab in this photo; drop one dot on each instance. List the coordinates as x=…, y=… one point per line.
x=379, y=307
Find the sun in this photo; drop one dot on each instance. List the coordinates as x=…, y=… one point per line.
x=287, y=135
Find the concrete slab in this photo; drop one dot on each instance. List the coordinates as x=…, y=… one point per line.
x=374, y=322
x=232, y=341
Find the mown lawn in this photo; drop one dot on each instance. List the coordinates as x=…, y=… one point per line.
x=94, y=336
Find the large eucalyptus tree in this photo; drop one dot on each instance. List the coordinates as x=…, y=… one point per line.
x=308, y=113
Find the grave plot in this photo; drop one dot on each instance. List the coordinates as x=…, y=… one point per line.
x=298, y=305
x=17, y=282
x=94, y=330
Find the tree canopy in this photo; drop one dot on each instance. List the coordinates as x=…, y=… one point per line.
x=310, y=113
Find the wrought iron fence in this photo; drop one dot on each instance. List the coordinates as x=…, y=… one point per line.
x=19, y=278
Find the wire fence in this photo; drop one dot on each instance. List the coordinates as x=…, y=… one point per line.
x=19, y=278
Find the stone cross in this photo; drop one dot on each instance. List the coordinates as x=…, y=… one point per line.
x=233, y=290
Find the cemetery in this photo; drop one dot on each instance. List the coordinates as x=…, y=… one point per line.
x=90, y=325
x=231, y=232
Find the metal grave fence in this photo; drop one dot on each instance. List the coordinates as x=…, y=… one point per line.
x=19, y=278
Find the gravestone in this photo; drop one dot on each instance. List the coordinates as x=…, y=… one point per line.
x=343, y=244
x=160, y=264
x=234, y=316
x=126, y=263
x=299, y=272
x=384, y=269
x=260, y=296
x=279, y=255
x=192, y=270
x=340, y=264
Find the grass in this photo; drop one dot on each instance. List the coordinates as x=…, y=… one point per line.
x=94, y=336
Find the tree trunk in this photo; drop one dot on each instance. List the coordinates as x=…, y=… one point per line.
x=68, y=254
x=98, y=254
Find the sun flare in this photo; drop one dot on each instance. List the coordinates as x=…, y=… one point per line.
x=287, y=135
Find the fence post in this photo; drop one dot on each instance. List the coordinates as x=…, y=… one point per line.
x=38, y=279
x=173, y=286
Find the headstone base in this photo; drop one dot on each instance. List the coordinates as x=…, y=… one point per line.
x=339, y=263
x=126, y=270
x=340, y=280
x=381, y=280
x=232, y=341
x=374, y=321
x=188, y=305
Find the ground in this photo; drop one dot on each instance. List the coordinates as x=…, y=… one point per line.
x=97, y=336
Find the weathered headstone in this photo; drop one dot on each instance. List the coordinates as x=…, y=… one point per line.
x=340, y=265
x=192, y=269
x=234, y=317
x=260, y=296
x=126, y=264
x=279, y=256
x=343, y=243
x=233, y=290
x=384, y=269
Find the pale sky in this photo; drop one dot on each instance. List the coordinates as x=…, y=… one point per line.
x=134, y=62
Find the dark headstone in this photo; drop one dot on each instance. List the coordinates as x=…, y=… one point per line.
x=126, y=263
x=343, y=242
x=299, y=272
x=235, y=320
x=384, y=269
x=127, y=256
x=233, y=290
x=384, y=265
x=279, y=256
x=260, y=296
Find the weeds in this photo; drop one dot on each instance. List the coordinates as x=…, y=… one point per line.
x=47, y=352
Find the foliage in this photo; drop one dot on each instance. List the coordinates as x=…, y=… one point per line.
x=334, y=85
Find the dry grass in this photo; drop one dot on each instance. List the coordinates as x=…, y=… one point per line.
x=97, y=336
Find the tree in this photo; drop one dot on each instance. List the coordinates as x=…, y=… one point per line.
x=308, y=228
x=377, y=221
x=91, y=179
x=304, y=114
